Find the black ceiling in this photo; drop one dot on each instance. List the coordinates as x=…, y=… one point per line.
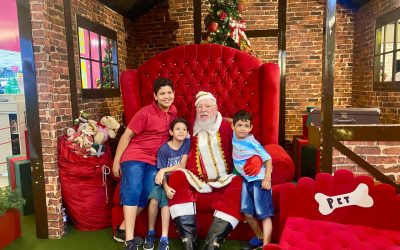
x=354, y=4
x=133, y=9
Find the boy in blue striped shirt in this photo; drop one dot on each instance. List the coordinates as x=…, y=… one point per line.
x=256, y=197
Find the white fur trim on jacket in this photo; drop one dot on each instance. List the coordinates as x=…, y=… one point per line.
x=188, y=208
x=226, y=217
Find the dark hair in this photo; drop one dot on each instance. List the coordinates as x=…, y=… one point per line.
x=242, y=115
x=178, y=120
x=161, y=82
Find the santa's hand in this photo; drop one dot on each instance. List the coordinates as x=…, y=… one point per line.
x=159, y=177
x=253, y=165
x=170, y=192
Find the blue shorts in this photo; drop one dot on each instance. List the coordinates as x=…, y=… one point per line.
x=136, y=183
x=256, y=201
x=158, y=193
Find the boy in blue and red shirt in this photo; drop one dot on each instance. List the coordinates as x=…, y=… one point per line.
x=256, y=197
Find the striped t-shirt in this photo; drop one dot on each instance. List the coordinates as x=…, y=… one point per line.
x=245, y=148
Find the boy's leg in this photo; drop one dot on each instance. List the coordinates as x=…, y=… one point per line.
x=253, y=223
x=130, y=219
x=249, y=210
x=267, y=230
x=130, y=191
x=164, y=221
x=152, y=213
x=122, y=226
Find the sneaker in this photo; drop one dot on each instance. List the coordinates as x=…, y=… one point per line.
x=254, y=243
x=131, y=245
x=163, y=245
x=120, y=237
x=149, y=241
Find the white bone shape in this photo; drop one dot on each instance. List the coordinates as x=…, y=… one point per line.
x=358, y=197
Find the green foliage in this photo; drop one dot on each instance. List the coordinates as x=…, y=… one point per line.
x=12, y=87
x=217, y=23
x=108, y=81
x=9, y=199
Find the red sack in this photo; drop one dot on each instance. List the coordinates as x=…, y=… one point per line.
x=86, y=191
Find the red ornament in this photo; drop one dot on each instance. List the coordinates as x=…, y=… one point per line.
x=213, y=27
x=241, y=7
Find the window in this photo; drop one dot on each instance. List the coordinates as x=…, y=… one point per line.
x=98, y=60
x=387, y=52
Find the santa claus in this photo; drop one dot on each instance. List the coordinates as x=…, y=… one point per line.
x=208, y=169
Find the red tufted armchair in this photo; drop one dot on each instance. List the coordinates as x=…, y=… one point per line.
x=346, y=227
x=238, y=81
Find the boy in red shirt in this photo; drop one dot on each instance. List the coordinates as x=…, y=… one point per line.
x=135, y=158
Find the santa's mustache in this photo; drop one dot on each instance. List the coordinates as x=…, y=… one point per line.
x=204, y=125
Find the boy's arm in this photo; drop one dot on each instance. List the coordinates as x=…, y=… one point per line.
x=168, y=190
x=266, y=183
x=163, y=171
x=122, y=145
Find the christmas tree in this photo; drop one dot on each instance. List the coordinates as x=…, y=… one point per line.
x=108, y=81
x=226, y=25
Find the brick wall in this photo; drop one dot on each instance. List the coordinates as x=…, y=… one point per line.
x=52, y=76
x=383, y=155
x=304, y=46
x=364, y=40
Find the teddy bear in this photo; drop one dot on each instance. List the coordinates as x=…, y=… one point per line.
x=107, y=128
x=87, y=143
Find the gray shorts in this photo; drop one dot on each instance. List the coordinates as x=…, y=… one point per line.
x=158, y=193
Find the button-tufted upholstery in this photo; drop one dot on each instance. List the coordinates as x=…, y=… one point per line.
x=238, y=81
x=352, y=227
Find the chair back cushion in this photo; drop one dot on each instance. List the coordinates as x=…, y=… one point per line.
x=237, y=79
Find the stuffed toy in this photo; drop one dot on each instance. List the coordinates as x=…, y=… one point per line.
x=107, y=128
x=86, y=149
x=83, y=118
x=70, y=134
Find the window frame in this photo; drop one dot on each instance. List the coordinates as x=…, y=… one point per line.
x=390, y=17
x=107, y=33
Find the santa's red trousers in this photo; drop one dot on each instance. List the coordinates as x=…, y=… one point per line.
x=225, y=199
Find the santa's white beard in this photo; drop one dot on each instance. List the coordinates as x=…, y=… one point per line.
x=200, y=125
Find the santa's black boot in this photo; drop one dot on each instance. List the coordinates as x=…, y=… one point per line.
x=186, y=225
x=219, y=230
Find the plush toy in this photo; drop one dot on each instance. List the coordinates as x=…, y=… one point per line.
x=87, y=144
x=86, y=149
x=89, y=129
x=70, y=134
x=83, y=118
x=107, y=128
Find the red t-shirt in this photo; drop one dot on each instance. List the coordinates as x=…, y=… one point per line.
x=150, y=125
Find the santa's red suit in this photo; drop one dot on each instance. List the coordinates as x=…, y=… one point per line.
x=208, y=169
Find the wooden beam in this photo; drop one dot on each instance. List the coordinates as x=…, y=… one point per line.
x=282, y=9
x=327, y=86
x=32, y=118
x=197, y=21
x=366, y=132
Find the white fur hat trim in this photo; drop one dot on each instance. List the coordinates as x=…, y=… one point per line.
x=204, y=95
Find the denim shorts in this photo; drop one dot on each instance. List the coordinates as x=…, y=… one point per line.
x=137, y=182
x=158, y=193
x=256, y=201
